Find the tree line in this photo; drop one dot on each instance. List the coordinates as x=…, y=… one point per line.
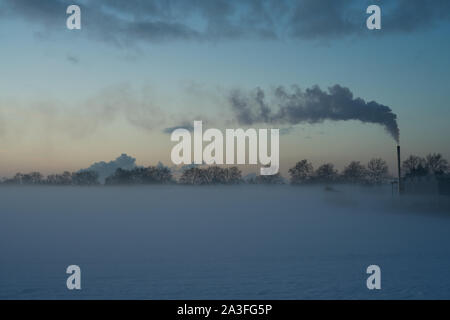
x=84, y=178
x=375, y=172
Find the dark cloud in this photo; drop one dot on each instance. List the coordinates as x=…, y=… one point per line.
x=413, y=15
x=126, y=22
x=323, y=19
x=131, y=21
x=312, y=19
x=314, y=105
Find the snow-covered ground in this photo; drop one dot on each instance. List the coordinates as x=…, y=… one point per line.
x=236, y=242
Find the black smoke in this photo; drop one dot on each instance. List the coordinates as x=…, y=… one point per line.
x=313, y=105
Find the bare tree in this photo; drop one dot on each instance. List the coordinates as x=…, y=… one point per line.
x=33, y=178
x=354, y=172
x=149, y=175
x=414, y=166
x=436, y=164
x=211, y=175
x=377, y=170
x=214, y=175
x=63, y=179
x=233, y=175
x=301, y=172
x=326, y=173
x=85, y=178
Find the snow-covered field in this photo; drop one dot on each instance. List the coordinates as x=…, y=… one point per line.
x=236, y=242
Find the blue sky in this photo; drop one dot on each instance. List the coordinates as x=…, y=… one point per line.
x=70, y=98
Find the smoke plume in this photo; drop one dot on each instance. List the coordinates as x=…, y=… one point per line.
x=313, y=105
x=105, y=169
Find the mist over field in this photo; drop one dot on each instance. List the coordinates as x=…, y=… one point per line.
x=222, y=242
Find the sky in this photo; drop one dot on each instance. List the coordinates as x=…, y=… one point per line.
x=69, y=98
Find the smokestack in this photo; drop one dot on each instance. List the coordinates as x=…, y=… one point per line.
x=400, y=185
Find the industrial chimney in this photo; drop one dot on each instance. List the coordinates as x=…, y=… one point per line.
x=400, y=184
